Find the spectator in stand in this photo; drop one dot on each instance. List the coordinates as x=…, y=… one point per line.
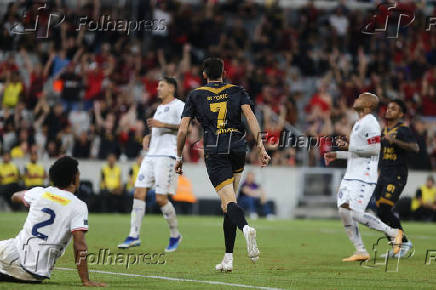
x=14, y=89
x=56, y=121
x=106, y=130
x=72, y=84
x=420, y=160
x=82, y=146
x=111, y=187
x=251, y=196
x=22, y=145
x=9, y=179
x=93, y=80
x=34, y=172
x=424, y=204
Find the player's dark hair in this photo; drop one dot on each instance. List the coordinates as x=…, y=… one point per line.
x=63, y=172
x=171, y=81
x=213, y=67
x=401, y=104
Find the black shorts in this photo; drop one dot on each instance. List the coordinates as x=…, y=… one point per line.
x=221, y=167
x=389, y=189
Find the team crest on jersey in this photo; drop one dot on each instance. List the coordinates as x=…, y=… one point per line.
x=166, y=109
x=141, y=176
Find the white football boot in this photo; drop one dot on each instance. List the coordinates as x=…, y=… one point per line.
x=226, y=264
x=250, y=238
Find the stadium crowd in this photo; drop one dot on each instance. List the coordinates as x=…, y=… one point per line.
x=88, y=93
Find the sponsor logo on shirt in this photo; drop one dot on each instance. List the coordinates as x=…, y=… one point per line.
x=56, y=198
x=373, y=140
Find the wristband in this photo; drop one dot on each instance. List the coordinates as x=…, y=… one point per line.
x=179, y=158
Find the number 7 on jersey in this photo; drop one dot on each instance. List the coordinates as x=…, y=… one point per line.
x=221, y=108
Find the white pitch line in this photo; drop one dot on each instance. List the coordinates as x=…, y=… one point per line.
x=174, y=279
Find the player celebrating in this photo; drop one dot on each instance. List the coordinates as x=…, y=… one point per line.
x=55, y=215
x=360, y=178
x=397, y=140
x=157, y=168
x=218, y=107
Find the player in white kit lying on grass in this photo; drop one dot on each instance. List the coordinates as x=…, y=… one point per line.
x=360, y=178
x=157, y=168
x=55, y=216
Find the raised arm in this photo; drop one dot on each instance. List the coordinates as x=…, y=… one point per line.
x=255, y=130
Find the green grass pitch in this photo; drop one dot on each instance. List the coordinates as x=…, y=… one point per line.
x=299, y=254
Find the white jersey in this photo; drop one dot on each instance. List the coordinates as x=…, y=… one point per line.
x=164, y=140
x=365, y=131
x=53, y=215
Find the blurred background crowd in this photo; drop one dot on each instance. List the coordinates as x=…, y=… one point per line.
x=88, y=93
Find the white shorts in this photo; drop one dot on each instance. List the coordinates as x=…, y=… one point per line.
x=157, y=172
x=356, y=193
x=10, y=262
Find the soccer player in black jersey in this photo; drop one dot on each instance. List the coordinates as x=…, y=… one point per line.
x=219, y=107
x=397, y=141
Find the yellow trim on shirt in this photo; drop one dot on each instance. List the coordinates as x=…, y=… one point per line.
x=216, y=90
